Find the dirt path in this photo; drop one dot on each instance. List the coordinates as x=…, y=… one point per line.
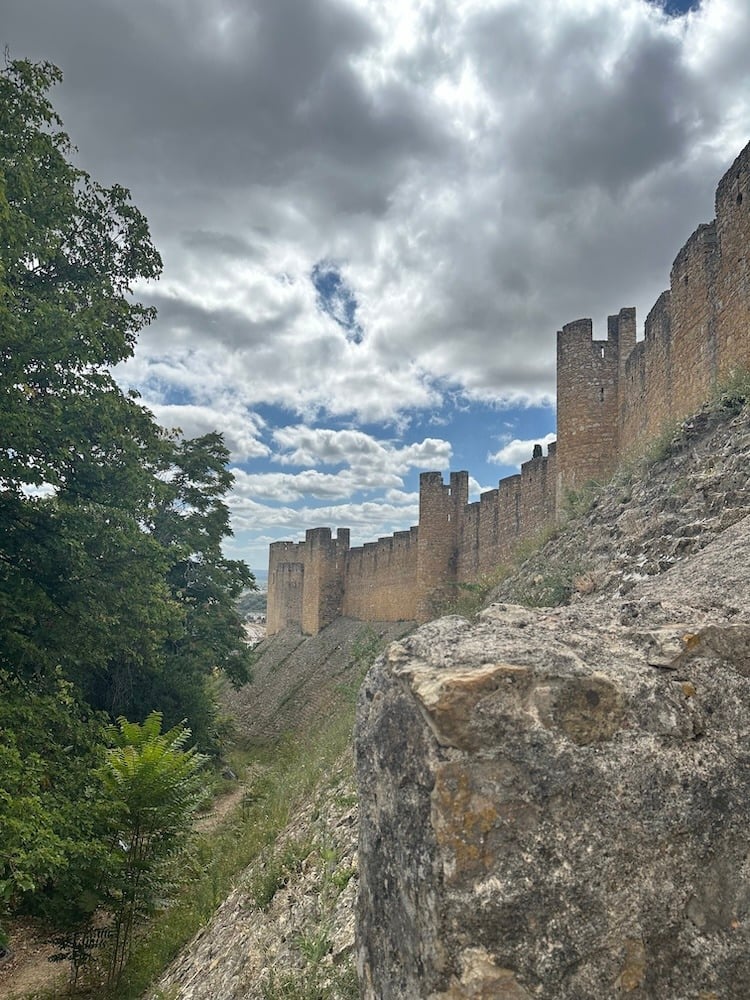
x=28, y=968
x=221, y=809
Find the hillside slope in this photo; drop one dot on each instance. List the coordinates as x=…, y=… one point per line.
x=301, y=681
x=562, y=794
x=665, y=540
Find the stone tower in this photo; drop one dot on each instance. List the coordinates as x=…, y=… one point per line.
x=589, y=375
x=440, y=509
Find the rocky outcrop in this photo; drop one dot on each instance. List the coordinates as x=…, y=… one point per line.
x=555, y=803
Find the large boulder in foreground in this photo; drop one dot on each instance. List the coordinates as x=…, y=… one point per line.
x=557, y=805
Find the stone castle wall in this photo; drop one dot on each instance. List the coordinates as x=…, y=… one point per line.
x=613, y=397
x=491, y=529
x=306, y=581
x=380, y=579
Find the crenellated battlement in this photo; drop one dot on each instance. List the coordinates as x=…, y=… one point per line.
x=614, y=396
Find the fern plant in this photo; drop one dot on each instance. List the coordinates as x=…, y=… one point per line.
x=154, y=784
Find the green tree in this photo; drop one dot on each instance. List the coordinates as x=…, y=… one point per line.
x=113, y=574
x=53, y=823
x=115, y=596
x=70, y=251
x=191, y=523
x=69, y=255
x=153, y=785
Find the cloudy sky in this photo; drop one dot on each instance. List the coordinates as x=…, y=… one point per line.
x=375, y=214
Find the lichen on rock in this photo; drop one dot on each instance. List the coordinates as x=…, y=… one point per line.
x=555, y=804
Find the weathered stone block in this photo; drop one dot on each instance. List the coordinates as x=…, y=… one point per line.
x=547, y=814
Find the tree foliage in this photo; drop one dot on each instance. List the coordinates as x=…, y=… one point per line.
x=114, y=571
x=69, y=255
x=53, y=824
x=115, y=595
x=152, y=782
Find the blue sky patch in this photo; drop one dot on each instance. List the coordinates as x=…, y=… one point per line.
x=336, y=298
x=676, y=8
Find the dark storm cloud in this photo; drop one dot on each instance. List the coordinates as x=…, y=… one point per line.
x=606, y=104
x=481, y=172
x=226, y=244
x=229, y=95
x=230, y=329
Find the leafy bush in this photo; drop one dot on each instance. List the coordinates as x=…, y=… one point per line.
x=733, y=394
x=153, y=785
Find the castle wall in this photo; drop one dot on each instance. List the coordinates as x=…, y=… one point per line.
x=440, y=510
x=306, y=581
x=380, y=579
x=694, y=345
x=490, y=530
x=538, y=492
x=286, y=604
x=697, y=333
x=646, y=402
x=614, y=396
x=588, y=373
x=285, y=585
x=733, y=276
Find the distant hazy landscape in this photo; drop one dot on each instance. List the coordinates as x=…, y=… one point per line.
x=252, y=602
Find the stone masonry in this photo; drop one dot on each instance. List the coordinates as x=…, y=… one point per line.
x=613, y=397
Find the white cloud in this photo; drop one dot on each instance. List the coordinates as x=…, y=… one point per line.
x=516, y=451
x=367, y=521
x=371, y=465
x=288, y=487
x=42, y=492
x=476, y=489
x=301, y=445
x=481, y=172
x=400, y=498
x=239, y=428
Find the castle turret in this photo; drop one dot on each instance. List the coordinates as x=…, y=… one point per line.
x=286, y=578
x=306, y=581
x=588, y=381
x=440, y=510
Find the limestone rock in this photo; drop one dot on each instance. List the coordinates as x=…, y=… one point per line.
x=555, y=804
